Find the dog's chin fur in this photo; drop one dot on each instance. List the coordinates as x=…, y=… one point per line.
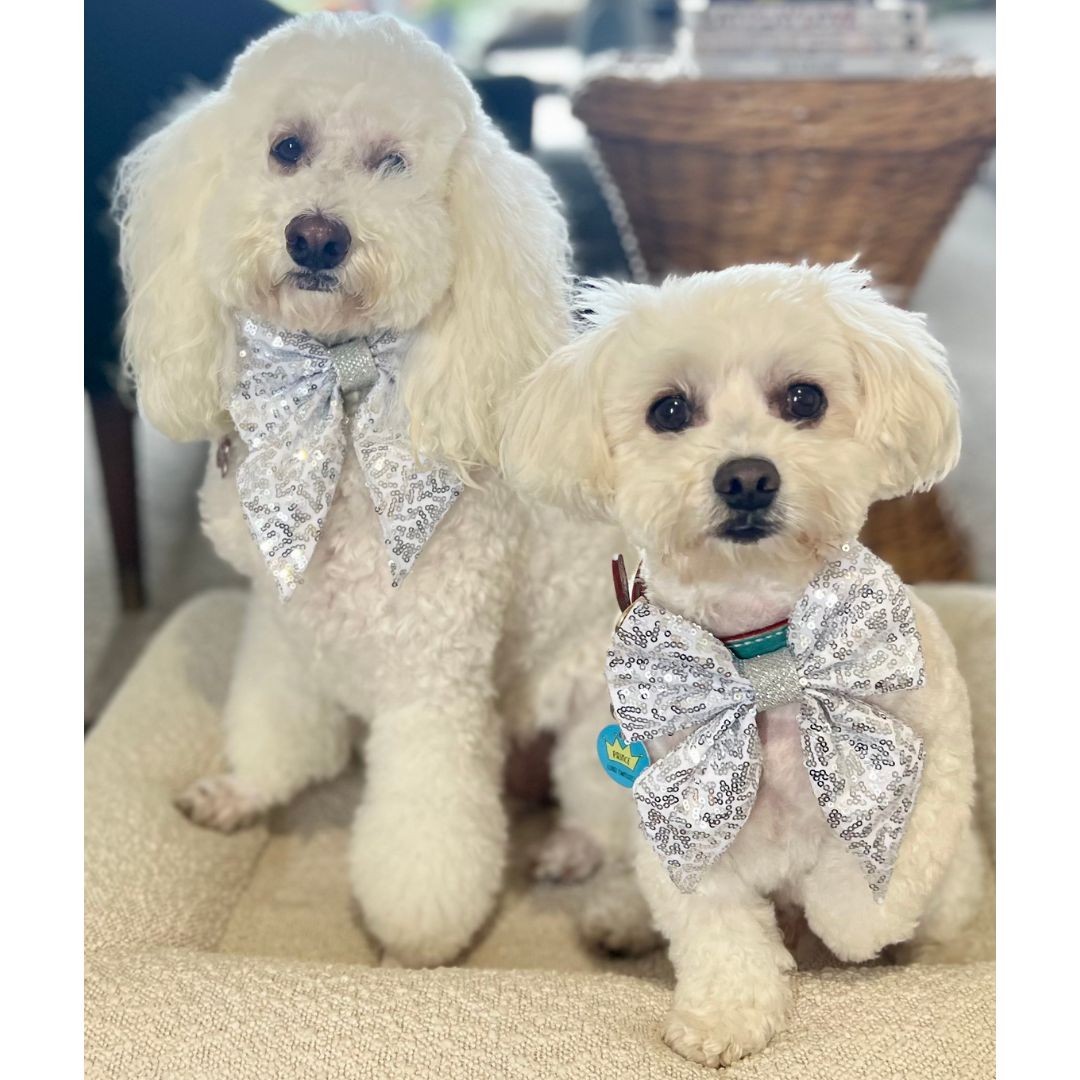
x=780, y=557
x=325, y=313
x=732, y=342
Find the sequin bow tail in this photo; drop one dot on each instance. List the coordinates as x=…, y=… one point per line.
x=665, y=675
x=410, y=496
x=853, y=635
x=288, y=410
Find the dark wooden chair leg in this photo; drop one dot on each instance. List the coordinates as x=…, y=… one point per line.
x=114, y=429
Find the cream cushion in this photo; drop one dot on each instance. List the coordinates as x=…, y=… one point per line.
x=243, y=956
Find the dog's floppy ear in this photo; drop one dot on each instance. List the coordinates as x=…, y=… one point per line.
x=909, y=410
x=507, y=306
x=175, y=332
x=555, y=445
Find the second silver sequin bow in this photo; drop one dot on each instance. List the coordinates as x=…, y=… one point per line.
x=289, y=407
x=851, y=636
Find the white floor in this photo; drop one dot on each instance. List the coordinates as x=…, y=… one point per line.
x=958, y=295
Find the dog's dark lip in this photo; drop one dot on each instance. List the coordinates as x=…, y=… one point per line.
x=747, y=528
x=314, y=280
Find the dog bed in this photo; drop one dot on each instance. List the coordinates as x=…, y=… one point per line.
x=243, y=956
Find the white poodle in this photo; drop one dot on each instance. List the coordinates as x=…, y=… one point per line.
x=345, y=183
x=738, y=425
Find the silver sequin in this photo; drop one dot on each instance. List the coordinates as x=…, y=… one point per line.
x=289, y=408
x=852, y=635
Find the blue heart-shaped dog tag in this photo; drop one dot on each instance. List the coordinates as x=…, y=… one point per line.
x=623, y=762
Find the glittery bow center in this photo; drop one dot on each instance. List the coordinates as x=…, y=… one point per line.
x=774, y=677
x=355, y=364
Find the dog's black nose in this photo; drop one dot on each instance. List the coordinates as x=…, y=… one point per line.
x=748, y=483
x=316, y=242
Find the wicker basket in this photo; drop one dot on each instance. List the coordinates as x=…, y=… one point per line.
x=714, y=173
x=917, y=538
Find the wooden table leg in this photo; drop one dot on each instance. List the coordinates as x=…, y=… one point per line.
x=114, y=430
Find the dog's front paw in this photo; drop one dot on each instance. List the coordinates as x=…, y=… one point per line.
x=723, y=1034
x=426, y=880
x=220, y=802
x=566, y=856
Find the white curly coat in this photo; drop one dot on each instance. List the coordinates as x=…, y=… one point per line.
x=502, y=622
x=732, y=343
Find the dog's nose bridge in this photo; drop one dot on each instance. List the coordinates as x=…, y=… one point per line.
x=742, y=439
x=738, y=425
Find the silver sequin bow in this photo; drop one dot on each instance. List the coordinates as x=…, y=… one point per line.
x=290, y=408
x=851, y=636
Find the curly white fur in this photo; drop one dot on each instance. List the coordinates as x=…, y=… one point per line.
x=502, y=622
x=732, y=343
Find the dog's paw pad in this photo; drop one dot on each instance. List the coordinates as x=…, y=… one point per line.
x=220, y=802
x=566, y=856
x=723, y=1035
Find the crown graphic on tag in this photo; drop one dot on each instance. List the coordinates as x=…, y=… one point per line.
x=622, y=761
x=618, y=751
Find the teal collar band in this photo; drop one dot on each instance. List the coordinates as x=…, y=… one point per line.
x=758, y=642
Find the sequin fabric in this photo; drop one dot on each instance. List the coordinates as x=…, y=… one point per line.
x=290, y=408
x=852, y=635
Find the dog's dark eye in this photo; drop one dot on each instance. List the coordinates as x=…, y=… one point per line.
x=805, y=401
x=672, y=412
x=394, y=162
x=288, y=150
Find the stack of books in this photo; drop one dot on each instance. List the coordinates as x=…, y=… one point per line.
x=815, y=38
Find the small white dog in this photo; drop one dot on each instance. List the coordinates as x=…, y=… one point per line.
x=345, y=183
x=738, y=425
